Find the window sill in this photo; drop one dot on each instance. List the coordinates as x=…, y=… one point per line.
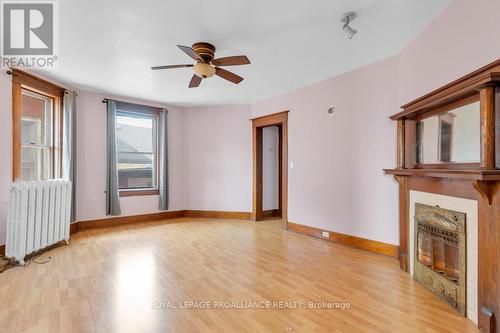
x=135, y=193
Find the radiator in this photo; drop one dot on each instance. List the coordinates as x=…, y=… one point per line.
x=39, y=216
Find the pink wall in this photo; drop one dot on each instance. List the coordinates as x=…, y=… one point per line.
x=218, y=164
x=91, y=161
x=91, y=157
x=336, y=182
x=463, y=38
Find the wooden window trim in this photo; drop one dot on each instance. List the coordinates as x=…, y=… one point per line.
x=136, y=193
x=22, y=80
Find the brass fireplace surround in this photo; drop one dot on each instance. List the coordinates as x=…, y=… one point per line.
x=439, y=254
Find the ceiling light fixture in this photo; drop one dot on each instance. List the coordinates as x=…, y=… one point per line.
x=346, y=19
x=204, y=70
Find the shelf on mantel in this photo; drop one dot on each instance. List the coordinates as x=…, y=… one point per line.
x=447, y=173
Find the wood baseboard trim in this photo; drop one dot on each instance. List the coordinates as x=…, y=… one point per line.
x=271, y=213
x=217, y=214
x=348, y=240
x=73, y=228
x=121, y=220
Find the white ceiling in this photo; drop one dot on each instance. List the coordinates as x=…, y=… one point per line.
x=108, y=46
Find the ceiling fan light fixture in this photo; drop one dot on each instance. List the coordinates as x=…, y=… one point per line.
x=204, y=70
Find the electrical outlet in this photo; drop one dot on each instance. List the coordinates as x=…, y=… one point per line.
x=325, y=234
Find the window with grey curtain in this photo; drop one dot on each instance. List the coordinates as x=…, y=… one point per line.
x=69, y=145
x=163, y=155
x=112, y=194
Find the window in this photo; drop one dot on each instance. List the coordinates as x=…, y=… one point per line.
x=37, y=131
x=37, y=123
x=136, y=135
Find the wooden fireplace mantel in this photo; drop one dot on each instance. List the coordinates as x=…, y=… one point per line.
x=475, y=181
x=479, y=175
x=485, y=182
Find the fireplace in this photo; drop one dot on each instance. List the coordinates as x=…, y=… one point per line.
x=440, y=253
x=443, y=255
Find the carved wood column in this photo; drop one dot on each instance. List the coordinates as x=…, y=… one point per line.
x=487, y=98
x=403, y=222
x=401, y=144
x=410, y=138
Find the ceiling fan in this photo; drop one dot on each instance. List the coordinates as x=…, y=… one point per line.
x=206, y=65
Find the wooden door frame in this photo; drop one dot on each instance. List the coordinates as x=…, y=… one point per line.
x=279, y=119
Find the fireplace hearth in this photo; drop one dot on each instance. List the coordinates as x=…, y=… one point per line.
x=440, y=254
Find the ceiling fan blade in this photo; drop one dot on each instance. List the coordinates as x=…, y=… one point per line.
x=195, y=81
x=228, y=75
x=190, y=52
x=231, y=61
x=170, y=67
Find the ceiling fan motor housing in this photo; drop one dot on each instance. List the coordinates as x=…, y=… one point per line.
x=205, y=50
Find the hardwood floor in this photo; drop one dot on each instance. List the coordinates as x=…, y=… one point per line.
x=115, y=280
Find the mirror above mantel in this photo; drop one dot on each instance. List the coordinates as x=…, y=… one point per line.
x=454, y=131
x=451, y=136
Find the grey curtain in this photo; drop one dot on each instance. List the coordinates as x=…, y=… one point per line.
x=69, y=145
x=163, y=154
x=112, y=195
